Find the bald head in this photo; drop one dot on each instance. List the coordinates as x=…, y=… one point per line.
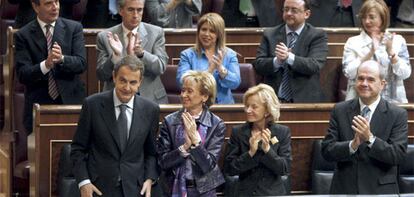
x=374, y=67
x=369, y=81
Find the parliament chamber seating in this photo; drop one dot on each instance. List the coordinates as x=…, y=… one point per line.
x=406, y=179
x=322, y=170
x=244, y=41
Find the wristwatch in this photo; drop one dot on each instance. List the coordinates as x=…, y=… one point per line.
x=371, y=139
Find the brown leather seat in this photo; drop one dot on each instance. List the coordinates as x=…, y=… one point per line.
x=248, y=79
x=170, y=84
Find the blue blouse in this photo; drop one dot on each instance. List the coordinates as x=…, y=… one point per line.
x=189, y=60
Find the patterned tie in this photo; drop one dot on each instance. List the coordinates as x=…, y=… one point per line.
x=286, y=90
x=123, y=126
x=346, y=3
x=130, y=45
x=53, y=90
x=366, y=112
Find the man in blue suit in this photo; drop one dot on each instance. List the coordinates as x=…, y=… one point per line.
x=50, y=56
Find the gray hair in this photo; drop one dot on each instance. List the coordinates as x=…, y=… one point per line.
x=371, y=63
x=121, y=3
x=132, y=62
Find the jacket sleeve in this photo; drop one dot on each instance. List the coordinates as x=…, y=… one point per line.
x=232, y=79
x=155, y=59
x=150, y=151
x=206, y=157
x=104, y=66
x=278, y=158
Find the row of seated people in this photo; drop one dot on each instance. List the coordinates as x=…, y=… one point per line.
x=258, y=151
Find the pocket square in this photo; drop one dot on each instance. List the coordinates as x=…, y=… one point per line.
x=274, y=140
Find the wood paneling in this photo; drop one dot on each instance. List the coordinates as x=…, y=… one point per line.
x=55, y=125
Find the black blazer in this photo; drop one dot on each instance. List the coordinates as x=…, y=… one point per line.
x=370, y=170
x=96, y=145
x=259, y=175
x=31, y=50
x=266, y=11
x=310, y=52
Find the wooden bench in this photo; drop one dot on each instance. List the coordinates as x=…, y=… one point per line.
x=55, y=126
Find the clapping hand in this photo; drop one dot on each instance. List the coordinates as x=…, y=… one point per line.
x=281, y=52
x=265, y=135
x=138, y=50
x=115, y=43
x=254, y=142
x=191, y=128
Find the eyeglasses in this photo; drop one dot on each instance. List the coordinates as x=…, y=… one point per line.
x=292, y=10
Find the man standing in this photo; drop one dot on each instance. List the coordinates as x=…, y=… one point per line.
x=367, y=137
x=335, y=13
x=292, y=54
x=133, y=37
x=113, y=149
x=50, y=56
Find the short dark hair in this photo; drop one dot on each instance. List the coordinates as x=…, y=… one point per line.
x=37, y=2
x=306, y=5
x=132, y=62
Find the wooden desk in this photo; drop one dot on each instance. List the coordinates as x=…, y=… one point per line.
x=55, y=126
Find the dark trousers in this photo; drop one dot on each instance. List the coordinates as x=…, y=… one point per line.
x=343, y=17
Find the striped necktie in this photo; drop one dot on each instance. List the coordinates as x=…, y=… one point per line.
x=285, y=90
x=366, y=113
x=53, y=90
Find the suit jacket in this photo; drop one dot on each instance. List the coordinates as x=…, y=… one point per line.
x=324, y=10
x=259, y=175
x=310, y=52
x=205, y=157
x=31, y=50
x=370, y=170
x=96, y=149
x=180, y=17
x=25, y=12
x=155, y=60
x=266, y=11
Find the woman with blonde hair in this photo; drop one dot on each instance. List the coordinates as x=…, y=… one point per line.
x=190, y=140
x=376, y=43
x=210, y=54
x=259, y=150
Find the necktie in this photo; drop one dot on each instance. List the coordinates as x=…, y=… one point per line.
x=366, y=112
x=123, y=126
x=244, y=6
x=286, y=90
x=131, y=42
x=113, y=7
x=53, y=90
x=346, y=3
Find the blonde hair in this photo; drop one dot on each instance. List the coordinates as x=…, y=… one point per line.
x=206, y=84
x=217, y=23
x=380, y=7
x=267, y=96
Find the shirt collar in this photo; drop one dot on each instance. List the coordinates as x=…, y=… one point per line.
x=126, y=31
x=371, y=107
x=298, y=31
x=42, y=24
x=117, y=102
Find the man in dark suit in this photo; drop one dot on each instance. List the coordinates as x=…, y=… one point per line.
x=50, y=56
x=113, y=149
x=263, y=13
x=367, y=138
x=99, y=15
x=292, y=54
x=335, y=13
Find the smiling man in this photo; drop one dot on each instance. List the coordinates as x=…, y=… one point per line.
x=367, y=137
x=292, y=54
x=113, y=149
x=50, y=56
x=133, y=37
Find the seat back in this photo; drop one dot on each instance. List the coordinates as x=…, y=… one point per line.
x=248, y=79
x=322, y=170
x=66, y=183
x=406, y=178
x=170, y=84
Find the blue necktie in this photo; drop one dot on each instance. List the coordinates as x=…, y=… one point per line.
x=366, y=112
x=286, y=90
